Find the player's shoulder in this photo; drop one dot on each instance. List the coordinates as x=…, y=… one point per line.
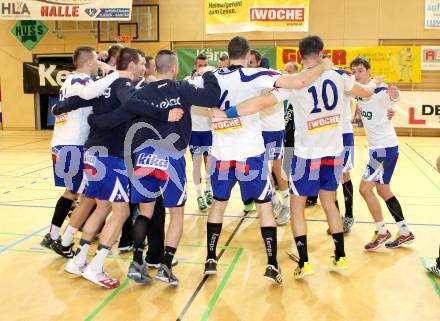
x=340, y=72
x=383, y=87
x=123, y=82
x=79, y=78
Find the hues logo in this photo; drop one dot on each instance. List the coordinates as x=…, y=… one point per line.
x=367, y=114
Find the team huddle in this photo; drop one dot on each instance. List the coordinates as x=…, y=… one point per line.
x=119, y=147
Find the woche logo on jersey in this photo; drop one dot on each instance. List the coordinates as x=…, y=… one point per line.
x=323, y=123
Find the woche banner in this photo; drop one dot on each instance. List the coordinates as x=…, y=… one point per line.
x=398, y=64
x=222, y=16
x=187, y=57
x=65, y=10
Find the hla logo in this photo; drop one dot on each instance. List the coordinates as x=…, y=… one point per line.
x=15, y=8
x=367, y=114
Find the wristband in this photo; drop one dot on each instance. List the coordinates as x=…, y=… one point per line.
x=232, y=112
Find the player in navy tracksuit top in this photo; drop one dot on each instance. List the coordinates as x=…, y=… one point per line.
x=106, y=171
x=158, y=154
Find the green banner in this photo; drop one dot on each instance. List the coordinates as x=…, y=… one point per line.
x=29, y=32
x=187, y=57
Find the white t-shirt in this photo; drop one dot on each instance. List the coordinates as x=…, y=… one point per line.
x=72, y=128
x=240, y=138
x=378, y=128
x=318, y=114
x=272, y=118
x=199, y=115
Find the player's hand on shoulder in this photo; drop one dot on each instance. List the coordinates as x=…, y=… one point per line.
x=393, y=92
x=175, y=114
x=205, y=69
x=327, y=63
x=216, y=113
x=377, y=80
x=390, y=113
x=106, y=68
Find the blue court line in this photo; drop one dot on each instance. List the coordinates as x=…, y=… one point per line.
x=22, y=239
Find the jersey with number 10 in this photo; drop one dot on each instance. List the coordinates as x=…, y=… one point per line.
x=319, y=111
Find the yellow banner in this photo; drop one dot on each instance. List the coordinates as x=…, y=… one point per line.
x=398, y=64
x=226, y=16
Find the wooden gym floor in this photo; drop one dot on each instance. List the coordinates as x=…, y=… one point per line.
x=385, y=285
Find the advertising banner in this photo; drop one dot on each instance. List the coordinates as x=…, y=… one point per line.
x=65, y=10
x=223, y=16
x=398, y=64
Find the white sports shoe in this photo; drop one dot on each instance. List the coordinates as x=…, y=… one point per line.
x=73, y=267
x=100, y=277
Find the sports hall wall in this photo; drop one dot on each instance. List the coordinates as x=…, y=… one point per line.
x=348, y=23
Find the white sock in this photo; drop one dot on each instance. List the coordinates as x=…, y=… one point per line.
x=286, y=198
x=97, y=263
x=80, y=257
x=54, y=232
x=67, y=237
x=199, y=189
x=381, y=228
x=403, y=228
x=275, y=198
x=208, y=183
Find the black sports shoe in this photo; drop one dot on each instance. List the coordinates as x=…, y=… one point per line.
x=156, y=265
x=210, y=267
x=273, y=274
x=64, y=251
x=311, y=201
x=166, y=275
x=47, y=241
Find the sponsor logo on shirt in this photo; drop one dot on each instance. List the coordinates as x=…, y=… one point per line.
x=367, y=114
x=152, y=160
x=323, y=123
x=167, y=103
x=89, y=159
x=61, y=119
x=226, y=125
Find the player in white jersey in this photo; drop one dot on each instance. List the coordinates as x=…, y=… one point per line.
x=70, y=132
x=434, y=268
x=384, y=151
x=200, y=144
x=273, y=130
x=317, y=160
x=238, y=149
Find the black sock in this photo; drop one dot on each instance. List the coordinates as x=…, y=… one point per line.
x=139, y=233
x=213, y=234
x=61, y=210
x=337, y=205
x=168, y=256
x=301, y=245
x=269, y=234
x=347, y=188
x=127, y=229
x=395, y=209
x=338, y=239
x=438, y=262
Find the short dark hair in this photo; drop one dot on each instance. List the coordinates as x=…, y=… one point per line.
x=238, y=47
x=164, y=60
x=359, y=60
x=256, y=54
x=310, y=45
x=148, y=59
x=224, y=57
x=114, y=50
x=79, y=53
x=201, y=56
x=125, y=56
x=265, y=63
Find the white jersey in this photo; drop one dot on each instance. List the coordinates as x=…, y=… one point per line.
x=378, y=128
x=72, y=128
x=240, y=138
x=318, y=113
x=199, y=115
x=272, y=118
